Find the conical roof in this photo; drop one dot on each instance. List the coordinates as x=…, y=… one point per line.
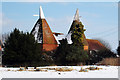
x=41, y=14
x=43, y=33
x=75, y=22
x=76, y=17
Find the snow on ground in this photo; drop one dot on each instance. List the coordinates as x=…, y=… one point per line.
x=105, y=72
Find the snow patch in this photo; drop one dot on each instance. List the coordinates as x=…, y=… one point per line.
x=37, y=34
x=60, y=37
x=68, y=37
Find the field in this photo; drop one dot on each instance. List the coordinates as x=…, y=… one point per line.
x=61, y=72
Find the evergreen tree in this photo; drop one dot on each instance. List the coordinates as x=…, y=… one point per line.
x=21, y=49
x=77, y=30
x=68, y=54
x=76, y=55
x=72, y=54
x=61, y=52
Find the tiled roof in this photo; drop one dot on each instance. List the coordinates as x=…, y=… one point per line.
x=95, y=44
x=84, y=40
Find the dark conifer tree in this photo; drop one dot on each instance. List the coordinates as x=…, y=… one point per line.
x=77, y=33
x=21, y=49
x=72, y=54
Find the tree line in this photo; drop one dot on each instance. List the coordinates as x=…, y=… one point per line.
x=21, y=49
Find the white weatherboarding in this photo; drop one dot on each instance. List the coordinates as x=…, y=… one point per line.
x=41, y=14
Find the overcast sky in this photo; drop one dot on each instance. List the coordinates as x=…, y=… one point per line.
x=100, y=19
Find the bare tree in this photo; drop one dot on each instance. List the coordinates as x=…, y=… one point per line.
x=4, y=37
x=105, y=43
